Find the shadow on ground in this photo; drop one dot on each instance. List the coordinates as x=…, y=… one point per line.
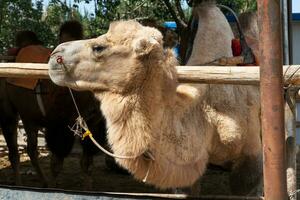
x=214, y=182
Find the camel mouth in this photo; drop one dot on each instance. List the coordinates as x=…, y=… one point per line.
x=56, y=71
x=58, y=68
x=57, y=76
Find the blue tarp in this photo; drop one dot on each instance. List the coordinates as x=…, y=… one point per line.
x=170, y=24
x=296, y=16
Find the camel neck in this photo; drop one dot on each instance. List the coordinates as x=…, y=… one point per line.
x=133, y=120
x=129, y=119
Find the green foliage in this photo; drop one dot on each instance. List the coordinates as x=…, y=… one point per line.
x=18, y=15
x=24, y=15
x=56, y=13
x=111, y=10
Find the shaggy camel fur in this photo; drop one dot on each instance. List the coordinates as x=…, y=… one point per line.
x=148, y=113
x=213, y=41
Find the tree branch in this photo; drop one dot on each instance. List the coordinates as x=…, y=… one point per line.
x=180, y=23
x=96, y=6
x=64, y=6
x=179, y=9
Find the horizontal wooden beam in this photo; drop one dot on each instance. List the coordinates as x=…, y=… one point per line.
x=242, y=75
x=186, y=74
x=218, y=75
x=24, y=70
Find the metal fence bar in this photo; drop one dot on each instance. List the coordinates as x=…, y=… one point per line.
x=28, y=193
x=272, y=103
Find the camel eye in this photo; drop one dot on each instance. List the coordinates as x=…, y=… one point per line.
x=98, y=48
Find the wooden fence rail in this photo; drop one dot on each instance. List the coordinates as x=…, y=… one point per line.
x=24, y=70
x=186, y=74
x=231, y=74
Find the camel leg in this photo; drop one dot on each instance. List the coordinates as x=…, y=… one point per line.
x=60, y=141
x=247, y=170
x=56, y=165
x=86, y=162
x=246, y=177
x=9, y=129
x=32, y=132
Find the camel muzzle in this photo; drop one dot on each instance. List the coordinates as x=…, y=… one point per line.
x=63, y=59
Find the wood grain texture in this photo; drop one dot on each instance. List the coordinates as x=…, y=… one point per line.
x=248, y=75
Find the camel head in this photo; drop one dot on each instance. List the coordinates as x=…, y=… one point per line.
x=117, y=61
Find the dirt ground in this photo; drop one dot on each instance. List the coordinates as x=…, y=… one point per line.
x=104, y=179
x=71, y=179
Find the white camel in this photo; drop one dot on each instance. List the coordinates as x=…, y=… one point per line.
x=173, y=130
x=212, y=42
x=213, y=38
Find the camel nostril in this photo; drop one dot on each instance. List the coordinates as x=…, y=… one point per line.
x=59, y=60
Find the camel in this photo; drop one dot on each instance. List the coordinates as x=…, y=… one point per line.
x=42, y=104
x=213, y=41
x=213, y=31
x=60, y=113
x=171, y=130
x=249, y=25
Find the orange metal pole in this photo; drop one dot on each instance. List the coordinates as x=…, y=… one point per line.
x=272, y=103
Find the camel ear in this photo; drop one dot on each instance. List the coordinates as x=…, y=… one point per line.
x=144, y=46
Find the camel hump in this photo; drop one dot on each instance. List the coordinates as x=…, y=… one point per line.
x=30, y=54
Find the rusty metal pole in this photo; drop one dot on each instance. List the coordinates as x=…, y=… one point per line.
x=272, y=103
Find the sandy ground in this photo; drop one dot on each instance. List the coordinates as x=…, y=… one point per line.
x=104, y=179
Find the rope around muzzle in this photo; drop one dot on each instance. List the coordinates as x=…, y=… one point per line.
x=80, y=125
